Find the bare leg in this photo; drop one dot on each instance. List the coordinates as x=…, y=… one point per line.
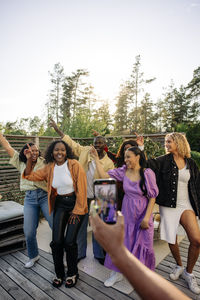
x=176, y=253
x=189, y=222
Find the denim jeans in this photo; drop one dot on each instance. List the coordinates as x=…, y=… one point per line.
x=82, y=239
x=33, y=202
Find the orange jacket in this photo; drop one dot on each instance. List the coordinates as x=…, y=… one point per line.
x=79, y=183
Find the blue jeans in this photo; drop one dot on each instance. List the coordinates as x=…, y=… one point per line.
x=33, y=202
x=82, y=239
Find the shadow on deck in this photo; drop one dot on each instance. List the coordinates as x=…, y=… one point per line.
x=16, y=282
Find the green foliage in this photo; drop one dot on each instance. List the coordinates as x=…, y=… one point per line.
x=193, y=87
x=192, y=133
x=114, y=144
x=55, y=94
x=121, y=114
x=146, y=122
x=196, y=156
x=182, y=127
x=193, y=136
x=25, y=126
x=74, y=106
x=153, y=149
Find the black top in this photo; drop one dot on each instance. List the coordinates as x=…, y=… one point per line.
x=166, y=172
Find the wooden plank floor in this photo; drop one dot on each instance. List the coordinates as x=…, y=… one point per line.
x=168, y=263
x=16, y=282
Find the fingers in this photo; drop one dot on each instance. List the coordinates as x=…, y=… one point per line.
x=52, y=123
x=73, y=218
x=120, y=218
x=136, y=134
x=92, y=223
x=93, y=150
x=95, y=133
x=29, y=147
x=96, y=221
x=27, y=151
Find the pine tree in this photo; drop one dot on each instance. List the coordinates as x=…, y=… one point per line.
x=121, y=114
x=135, y=87
x=55, y=95
x=193, y=94
x=147, y=115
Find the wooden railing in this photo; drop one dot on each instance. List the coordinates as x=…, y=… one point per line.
x=9, y=176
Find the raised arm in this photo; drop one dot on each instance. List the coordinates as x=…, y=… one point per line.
x=53, y=124
x=147, y=283
x=6, y=145
x=76, y=147
x=99, y=167
x=139, y=140
x=28, y=154
x=95, y=133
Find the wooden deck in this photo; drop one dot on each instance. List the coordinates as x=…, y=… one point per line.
x=168, y=263
x=16, y=282
x=19, y=283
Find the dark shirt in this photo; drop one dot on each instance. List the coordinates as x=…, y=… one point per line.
x=166, y=172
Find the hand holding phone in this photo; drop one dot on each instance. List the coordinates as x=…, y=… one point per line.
x=105, y=203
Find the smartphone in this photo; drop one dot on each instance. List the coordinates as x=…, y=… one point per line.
x=105, y=202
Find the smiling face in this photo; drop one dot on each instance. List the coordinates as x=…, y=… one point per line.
x=170, y=145
x=59, y=153
x=35, y=153
x=131, y=159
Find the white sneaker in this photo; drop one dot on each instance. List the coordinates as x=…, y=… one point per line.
x=114, y=277
x=31, y=262
x=177, y=271
x=191, y=281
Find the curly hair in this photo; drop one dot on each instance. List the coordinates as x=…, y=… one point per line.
x=181, y=142
x=22, y=157
x=49, y=152
x=142, y=162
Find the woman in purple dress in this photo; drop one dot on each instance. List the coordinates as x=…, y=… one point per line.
x=140, y=189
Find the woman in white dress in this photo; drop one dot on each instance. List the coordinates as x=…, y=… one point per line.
x=178, y=179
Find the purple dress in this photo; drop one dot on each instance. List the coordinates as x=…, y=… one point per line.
x=138, y=241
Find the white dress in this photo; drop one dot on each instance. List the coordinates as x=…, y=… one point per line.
x=170, y=217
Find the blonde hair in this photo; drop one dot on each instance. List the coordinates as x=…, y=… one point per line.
x=181, y=142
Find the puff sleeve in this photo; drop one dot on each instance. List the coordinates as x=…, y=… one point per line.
x=150, y=182
x=118, y=173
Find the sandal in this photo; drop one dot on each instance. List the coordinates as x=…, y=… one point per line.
x=71, y=281
x=57, y=282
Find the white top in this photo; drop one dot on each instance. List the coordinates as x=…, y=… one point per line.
x=182, y=188
x=170, y=217
x=62, y=180
x=90, y=178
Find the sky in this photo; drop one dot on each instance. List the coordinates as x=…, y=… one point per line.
x=102, y=36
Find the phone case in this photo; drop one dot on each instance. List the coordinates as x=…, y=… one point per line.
x=105, y=203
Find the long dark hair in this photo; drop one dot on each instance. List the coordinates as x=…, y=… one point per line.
x=49, y=152
x=142, y=162
x=22, y=157
x=120, y=153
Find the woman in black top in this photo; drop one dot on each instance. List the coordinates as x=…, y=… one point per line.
x=178, y=180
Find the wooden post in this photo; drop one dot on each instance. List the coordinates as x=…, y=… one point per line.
x=37, y=141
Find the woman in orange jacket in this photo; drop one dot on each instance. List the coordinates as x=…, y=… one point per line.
x=67, y=197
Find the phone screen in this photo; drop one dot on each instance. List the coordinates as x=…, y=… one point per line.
x=105, y=203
